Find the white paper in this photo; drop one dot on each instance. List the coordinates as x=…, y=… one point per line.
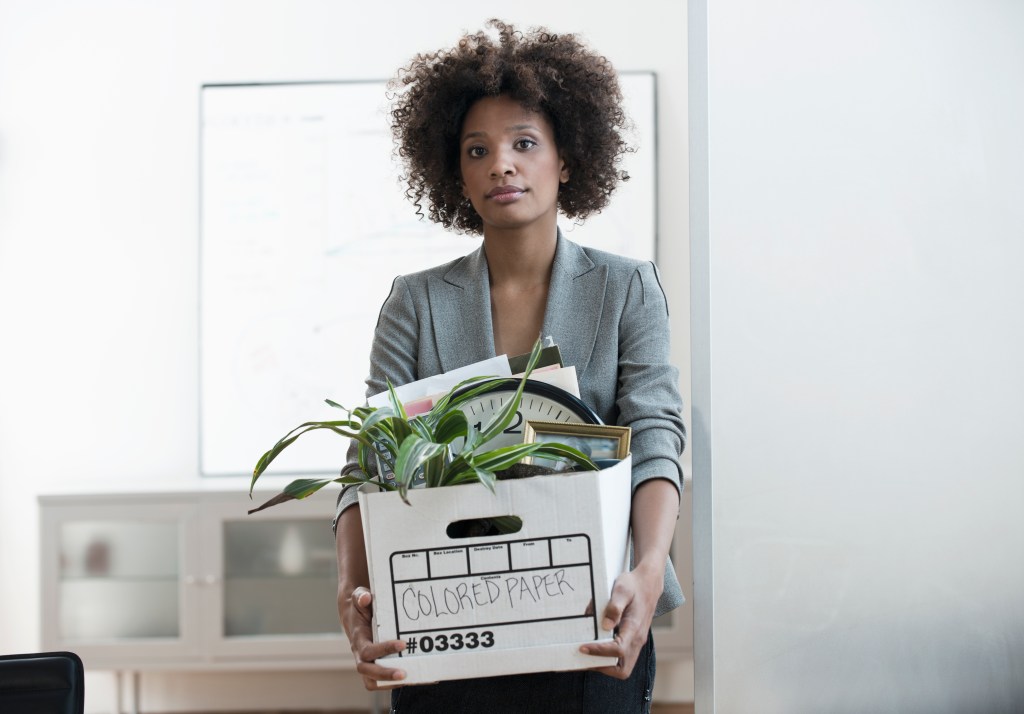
x=562, y=377
x=441, y=383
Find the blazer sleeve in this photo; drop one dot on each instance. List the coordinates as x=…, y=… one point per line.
x=648, y=398
x=392, y=357
x=395, y=341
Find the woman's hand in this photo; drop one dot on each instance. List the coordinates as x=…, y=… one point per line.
x=355, y=604
x=635, y=594
x=629, y=613
x=356, y=612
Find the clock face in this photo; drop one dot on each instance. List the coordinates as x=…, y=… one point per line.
x=540, y=401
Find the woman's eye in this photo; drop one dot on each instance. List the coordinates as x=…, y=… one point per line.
x=476, y=152
x=525, y=143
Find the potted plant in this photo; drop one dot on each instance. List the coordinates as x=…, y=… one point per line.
x=424, y=446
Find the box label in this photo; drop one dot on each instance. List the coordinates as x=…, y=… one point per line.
x=494, y=595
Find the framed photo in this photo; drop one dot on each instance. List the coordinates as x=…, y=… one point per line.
x=598, y=441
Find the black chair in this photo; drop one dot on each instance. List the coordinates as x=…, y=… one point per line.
x=42, y=683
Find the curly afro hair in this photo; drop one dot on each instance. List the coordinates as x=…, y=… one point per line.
x=557, y=75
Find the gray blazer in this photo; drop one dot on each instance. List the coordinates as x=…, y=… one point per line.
x=607, y=314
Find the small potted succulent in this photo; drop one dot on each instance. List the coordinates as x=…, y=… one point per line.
x=425, y=448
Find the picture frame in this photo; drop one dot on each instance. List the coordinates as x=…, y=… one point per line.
x=598, y=441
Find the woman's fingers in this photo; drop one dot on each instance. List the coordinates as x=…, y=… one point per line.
x=620, y=599
x=367, y=654
x=373, y=672
x=363, y=601
x=366, y=650
x=371, y=651
x=629, y=612
x=625, y=648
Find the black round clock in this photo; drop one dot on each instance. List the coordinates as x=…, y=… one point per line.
x=541, y=402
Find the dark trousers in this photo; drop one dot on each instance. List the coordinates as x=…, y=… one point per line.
x=580, y=692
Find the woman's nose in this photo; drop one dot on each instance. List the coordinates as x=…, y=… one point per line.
x=502, y=165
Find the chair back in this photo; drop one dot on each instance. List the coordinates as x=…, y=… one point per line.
x=42, y=683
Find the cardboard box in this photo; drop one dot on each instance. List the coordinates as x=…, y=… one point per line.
x=507, y=604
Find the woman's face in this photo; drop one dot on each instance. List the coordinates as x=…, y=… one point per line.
x=510, y=164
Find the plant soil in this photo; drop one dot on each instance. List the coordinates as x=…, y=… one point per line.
x=521, y=470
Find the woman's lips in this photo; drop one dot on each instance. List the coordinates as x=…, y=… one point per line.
x=505, y=194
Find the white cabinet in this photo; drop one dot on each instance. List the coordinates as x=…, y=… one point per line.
x=190, y=581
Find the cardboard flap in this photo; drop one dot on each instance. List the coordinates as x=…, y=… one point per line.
x=615, y=484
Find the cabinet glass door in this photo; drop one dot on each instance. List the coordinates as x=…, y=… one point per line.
x=280, y=578
x=118, y=579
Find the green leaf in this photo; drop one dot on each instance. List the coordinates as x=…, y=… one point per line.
x=378, y=454
x=421, y=429
x=401, y=430
x=502, y=458
x=462, y=470
x=300, y=488
x=383, y=440
x=396, y=405
x=503, y=417
x=338, y=427
x=455, y=466
x=354, y=480
x=487, y=478
x=364, y=412
x=378, y=427
x=472, y=441
x=562, y=452
x=432, y=471
x=412, y=455
x=471, y=394
x=279, y=498
x=464, y=475
x=443, y=405
x=305, y=487
x=378, y=415
x=451, y=426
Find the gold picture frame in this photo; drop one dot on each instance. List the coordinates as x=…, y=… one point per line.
x=598, y=441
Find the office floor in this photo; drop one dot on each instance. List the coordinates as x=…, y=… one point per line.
x=657, y=709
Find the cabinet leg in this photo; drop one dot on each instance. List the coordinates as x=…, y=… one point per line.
x=377, y=699
x=136, y=692
x=118, y=706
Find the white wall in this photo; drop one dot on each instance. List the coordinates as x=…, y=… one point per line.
x=858, y=237
x=98, y=239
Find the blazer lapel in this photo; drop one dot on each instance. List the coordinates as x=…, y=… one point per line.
x=575, y=303
x=460, y=310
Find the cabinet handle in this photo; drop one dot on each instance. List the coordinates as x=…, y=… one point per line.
x=206, y=580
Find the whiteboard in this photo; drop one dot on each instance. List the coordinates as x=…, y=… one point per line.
x=303, y=226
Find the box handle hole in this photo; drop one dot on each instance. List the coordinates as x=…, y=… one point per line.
x=482, y=527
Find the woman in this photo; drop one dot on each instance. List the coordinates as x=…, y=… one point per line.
x=498, y=137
